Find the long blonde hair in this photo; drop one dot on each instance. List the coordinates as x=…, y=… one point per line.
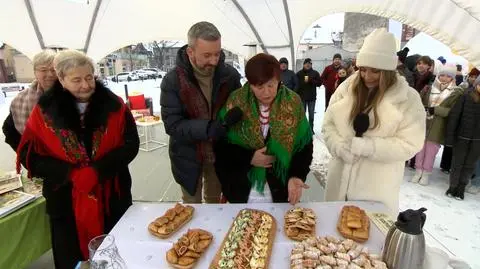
x=364, y=101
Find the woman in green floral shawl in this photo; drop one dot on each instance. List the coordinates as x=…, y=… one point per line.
x=265, y=157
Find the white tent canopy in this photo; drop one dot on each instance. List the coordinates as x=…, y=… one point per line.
x=102, y=26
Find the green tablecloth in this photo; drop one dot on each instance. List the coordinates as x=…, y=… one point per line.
x=24, y=235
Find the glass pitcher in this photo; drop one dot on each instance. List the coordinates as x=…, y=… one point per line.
x=104, y=253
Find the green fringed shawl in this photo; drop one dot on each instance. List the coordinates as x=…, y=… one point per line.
x=289, y=130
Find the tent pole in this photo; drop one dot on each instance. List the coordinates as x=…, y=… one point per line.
x=34, y=23
x=92, y=24
x=290, y=34
x=254, y=30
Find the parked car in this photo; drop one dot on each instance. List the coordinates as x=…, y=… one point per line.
x=154, y=71
x=150, y=72
x=161, y=74
x=125, y=76
x=142, y=74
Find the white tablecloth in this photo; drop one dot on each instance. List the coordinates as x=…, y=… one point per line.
x=141, y=250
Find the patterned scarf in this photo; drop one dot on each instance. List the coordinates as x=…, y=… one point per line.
x=289, y=130
x=23, y=104
x=89, y=208
x=198, y=108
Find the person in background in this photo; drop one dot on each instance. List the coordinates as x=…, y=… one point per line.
x=422, y=77
x=472, y=76
x=446, y=161
x=192, y=94
x=354, y=64
x=80, y=138
x=342, y=75
x=266, y=156
x=442, y=60
x=395, y=120
x=411, y=62
x=402, y=68
x=459, y=76
x=473, y=186
x=329, y=76
x=438, y=100
x=309, y=80
x=349, y=65
x=463, y=135
x=22, y=105
x=288, y=77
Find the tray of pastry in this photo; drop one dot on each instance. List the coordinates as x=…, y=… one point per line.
x=248, y=243
x=354, y=223
x=300, y=223
x=186, y=252
x=329, y=253
x=163, y=227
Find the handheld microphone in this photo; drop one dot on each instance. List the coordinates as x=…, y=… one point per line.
x=361, y=124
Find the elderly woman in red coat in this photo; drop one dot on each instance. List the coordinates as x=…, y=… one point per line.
x=80, y=138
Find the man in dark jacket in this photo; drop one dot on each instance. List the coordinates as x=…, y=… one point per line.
x=288, y=77
x=459, y=77
x=191, y=95
x=309, y=80
x=402, y=68
x=463, y=134
x=329, y=76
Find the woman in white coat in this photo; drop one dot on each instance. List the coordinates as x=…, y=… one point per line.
x=371, y=167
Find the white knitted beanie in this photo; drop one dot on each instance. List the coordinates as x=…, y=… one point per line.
x=379, y=51
x=448, y=69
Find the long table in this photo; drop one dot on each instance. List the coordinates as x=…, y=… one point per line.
x=142, y=250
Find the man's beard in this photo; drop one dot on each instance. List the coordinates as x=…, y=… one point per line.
x=206, y=69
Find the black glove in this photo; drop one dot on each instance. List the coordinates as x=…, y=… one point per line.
x=431, y=110
x=233, y=116
x=216, y=130
x=361, y=124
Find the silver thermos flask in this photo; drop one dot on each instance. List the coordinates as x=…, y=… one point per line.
x=405, y=243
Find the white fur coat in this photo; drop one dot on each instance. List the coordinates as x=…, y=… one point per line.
x=400, y=135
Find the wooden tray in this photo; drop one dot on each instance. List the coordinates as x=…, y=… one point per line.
x=165, y=236
x=271, y=239
x=201, y=254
